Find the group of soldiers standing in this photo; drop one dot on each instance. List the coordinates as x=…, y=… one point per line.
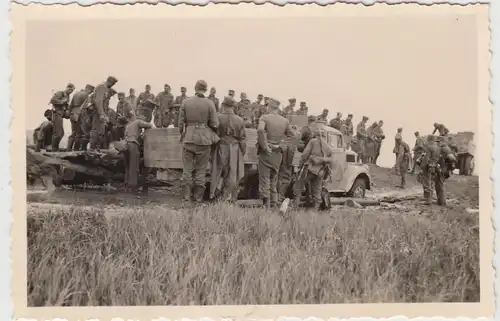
x=215, y=131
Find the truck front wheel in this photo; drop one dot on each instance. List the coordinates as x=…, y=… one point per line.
x=358, y=189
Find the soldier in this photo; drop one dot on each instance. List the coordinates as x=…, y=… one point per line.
x=124, y=114
x=289, y=110
x=271, y=131
x=79, y=98
x=361, y=136
x=337, y=122
x=323, y=116
x=59, y=101
x=379, y=137
x=348, y=131
x=437, y=163
x=165, y=101
x=398, y=138
x=302, y=109
x=197, y=124
x=403, y=160
x=241, y=106
x=443, y=131
x=418, y=150
x=42, y=135
x=306, y=133
x=371, y=143
x=214, y=99
x=182, y=97
x=228, y=157
x=289, y=147
x=132, y=100
x=144, y=96
x=259, y=100
x=111, y=120
x=315, y=166
x=133, y=138
x=95, y=107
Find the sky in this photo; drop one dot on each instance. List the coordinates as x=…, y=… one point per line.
x=407, y=71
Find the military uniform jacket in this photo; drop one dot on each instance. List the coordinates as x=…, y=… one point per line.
x=198, y=121
x=134, y=129
x=76, y=104
x=316, y=154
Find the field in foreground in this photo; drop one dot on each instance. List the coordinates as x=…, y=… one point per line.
x=157, y=255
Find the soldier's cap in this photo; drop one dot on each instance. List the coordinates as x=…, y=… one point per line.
x=311, y=118
x=228, y=101
x=201, y=85
x=213, y=88
x=302, y=102
x=121, y=94
x=400, y=129
x=416, y=133
x=292, y=100
x=231, y=91
x=273, y=103
x=47, y=113
x=350, y=115
x=89, y=87
x=365, y=118
x=166, y=85
x=112, y=79
x=375, y=124
x=70, y=86
x=183, y=88
x=260, y=96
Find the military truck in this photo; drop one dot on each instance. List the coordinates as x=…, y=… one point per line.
x=163, y=151
x=464, y=141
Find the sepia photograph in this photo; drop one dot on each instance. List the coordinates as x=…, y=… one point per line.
x=246, y=159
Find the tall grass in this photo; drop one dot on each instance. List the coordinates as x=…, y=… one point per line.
x=223, y=255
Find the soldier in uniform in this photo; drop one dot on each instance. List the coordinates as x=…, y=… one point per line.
x=302, y=109
x=198, y=124
x=379, y=137
x=79, y=98
x=241, y=106
x=165, y=100
x=96, y=115
x=418, y=150
x=436, y=164
x=271, y=131
x=289, y=110
x=361, y=136
x=145, y=95
x=42, y=135
x=132, y=100
x=60, y=102
x=228, y=166
x=182, y=97
x=289, y=147
x=323, y=116
x=125, y=114
x=337, y=122
x=315, y=165
x=348, y=130
x=306, y=133
x=403, y=160
x=111, y=120
x=443, y=131
x=133, y=138
x=214, y=99
x=397, y=139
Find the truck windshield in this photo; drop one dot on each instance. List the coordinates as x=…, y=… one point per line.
x=335, y=141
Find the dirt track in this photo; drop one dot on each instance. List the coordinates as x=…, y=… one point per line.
x=463, y=192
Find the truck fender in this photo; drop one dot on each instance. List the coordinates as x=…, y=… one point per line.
x=355, y=176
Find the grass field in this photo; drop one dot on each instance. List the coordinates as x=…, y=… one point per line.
x=224, y=255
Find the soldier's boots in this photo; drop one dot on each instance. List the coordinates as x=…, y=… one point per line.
x=55, y=143
x=199, y=192
x=186, y=193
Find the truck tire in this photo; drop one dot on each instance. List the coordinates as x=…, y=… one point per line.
x=358, y=189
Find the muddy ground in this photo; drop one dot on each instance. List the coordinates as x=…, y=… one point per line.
x=463, y=195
